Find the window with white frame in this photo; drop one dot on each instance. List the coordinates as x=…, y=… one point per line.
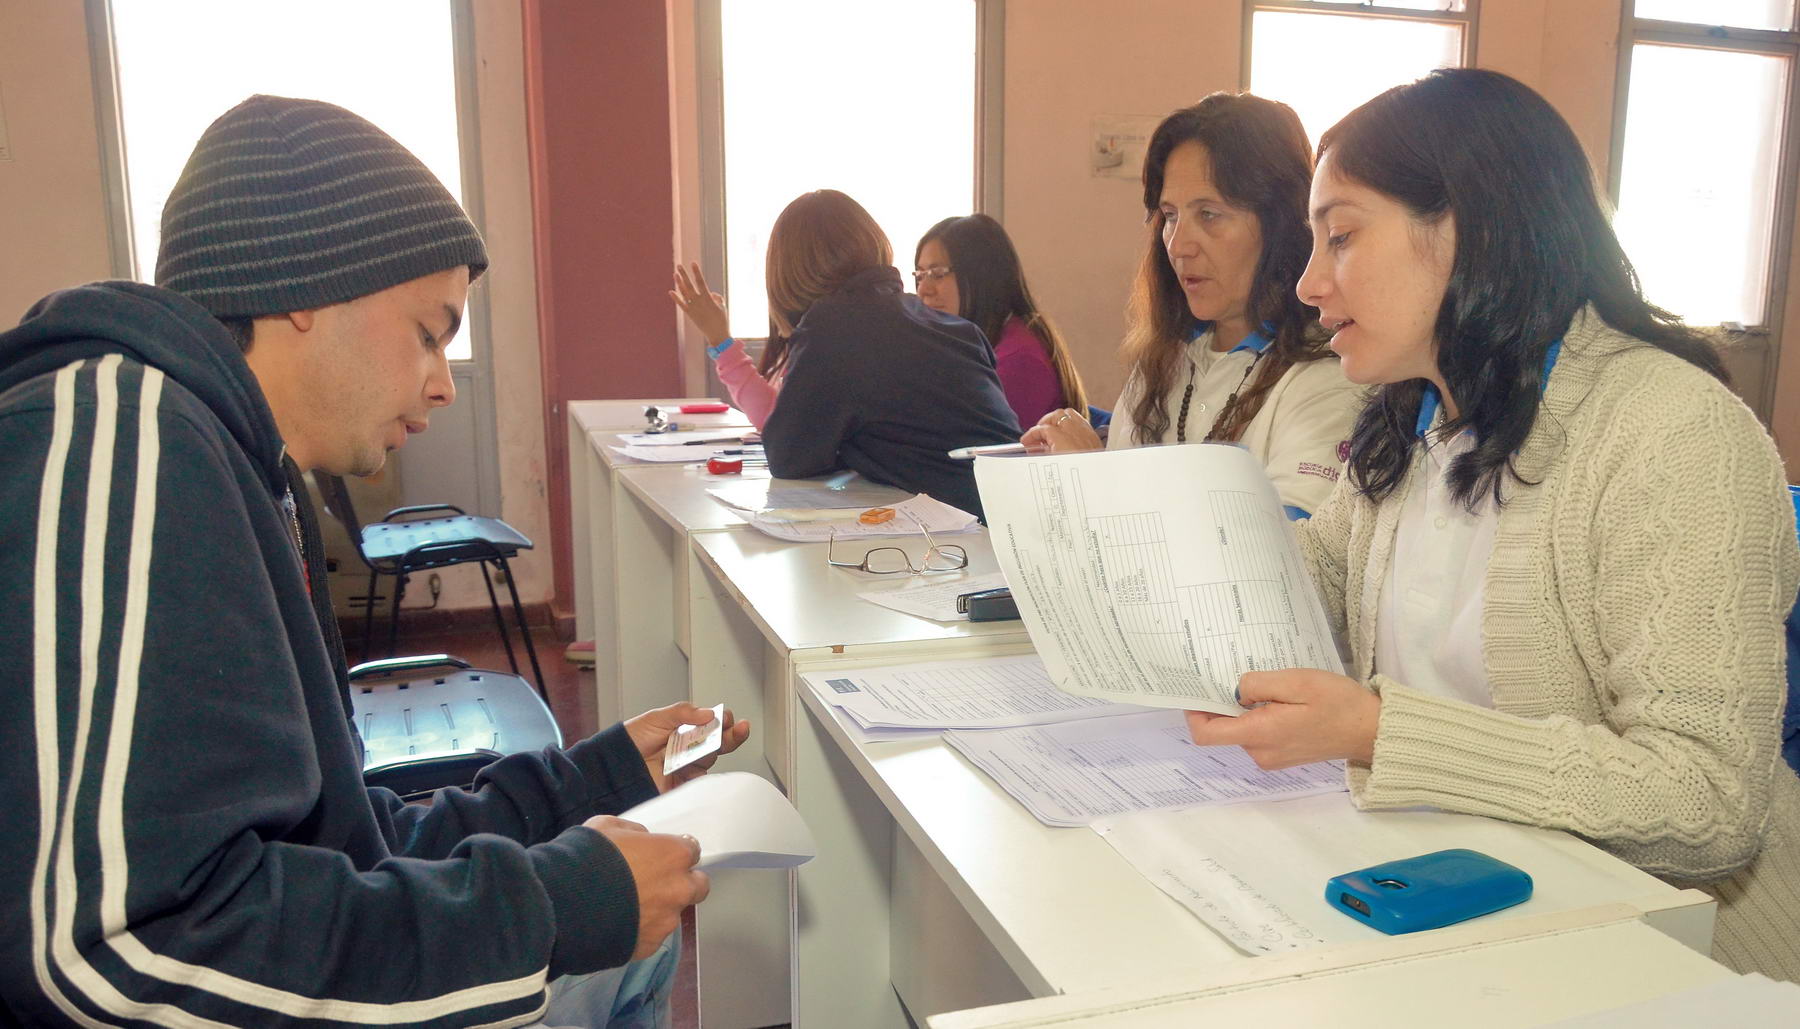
x=1698, y=166
x=1326, y=59
x=875, y=100
x=182, y=63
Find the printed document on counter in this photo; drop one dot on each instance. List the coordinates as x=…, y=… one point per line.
x=1076, y=772
x=1157, y=575
x=978, y=693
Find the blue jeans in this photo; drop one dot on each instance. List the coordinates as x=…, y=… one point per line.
x=633, y=996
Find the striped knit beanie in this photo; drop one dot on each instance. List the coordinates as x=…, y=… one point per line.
x=287, y=205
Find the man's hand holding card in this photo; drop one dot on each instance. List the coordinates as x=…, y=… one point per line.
x=682, y=741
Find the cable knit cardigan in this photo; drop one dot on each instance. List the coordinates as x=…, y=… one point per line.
x=1632, y=637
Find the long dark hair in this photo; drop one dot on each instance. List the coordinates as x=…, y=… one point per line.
x=1261, y=162
x=1533, y=246
x=990, y=289
x=820, y=241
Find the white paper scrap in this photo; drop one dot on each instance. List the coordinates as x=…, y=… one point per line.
x=934, y=596
x=1076, y=772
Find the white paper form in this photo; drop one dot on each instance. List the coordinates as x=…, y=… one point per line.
x=934, y=596
x=1256, y=873
x=977, y=693
x=1156, y=575
x=1075, y=773
x=935, y=515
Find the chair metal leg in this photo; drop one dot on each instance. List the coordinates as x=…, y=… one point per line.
x=525, y=630
x=369, y=614
x=499, y=621
x=394, y=620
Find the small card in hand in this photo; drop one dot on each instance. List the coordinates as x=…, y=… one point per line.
x=690, y=743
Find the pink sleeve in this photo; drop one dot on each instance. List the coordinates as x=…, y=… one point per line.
x=1026, y=374
x=750, y=392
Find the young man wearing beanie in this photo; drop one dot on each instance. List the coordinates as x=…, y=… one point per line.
x=191, y=843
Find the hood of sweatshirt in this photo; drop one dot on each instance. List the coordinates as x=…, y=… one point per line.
x=158, y=328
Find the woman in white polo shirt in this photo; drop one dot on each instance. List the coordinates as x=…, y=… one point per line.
x=1221, y=350
x=1564, y=549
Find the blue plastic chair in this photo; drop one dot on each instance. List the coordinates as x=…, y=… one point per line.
x=1790, y=722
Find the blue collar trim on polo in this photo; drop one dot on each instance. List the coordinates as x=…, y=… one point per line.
x=1428, y=406
x=1256, y=342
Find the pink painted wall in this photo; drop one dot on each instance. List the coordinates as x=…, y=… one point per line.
x=597, y=111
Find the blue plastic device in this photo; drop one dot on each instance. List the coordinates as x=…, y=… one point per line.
x=1428, y=891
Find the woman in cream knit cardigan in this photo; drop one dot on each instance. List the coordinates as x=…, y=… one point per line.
x=1563, y=551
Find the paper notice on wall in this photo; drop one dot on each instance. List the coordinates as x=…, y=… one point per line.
x=1117, y=148
x=5, y=147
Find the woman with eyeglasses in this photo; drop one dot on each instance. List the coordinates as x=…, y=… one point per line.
x=1565, y=549
x=1220, y=348
x=968, y=267
x=870, y=379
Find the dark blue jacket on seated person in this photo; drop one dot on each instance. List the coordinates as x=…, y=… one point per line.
x=879, y=383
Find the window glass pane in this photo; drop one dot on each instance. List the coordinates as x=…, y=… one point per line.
x=1698, y=178
x=1295, y=58
x=1747, y=14
x=182, y=63
x=882, y=108
x=1416, y=5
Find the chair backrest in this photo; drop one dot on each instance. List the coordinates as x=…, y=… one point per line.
x=336, y=495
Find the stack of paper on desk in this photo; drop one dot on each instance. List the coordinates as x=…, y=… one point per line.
x=1154, y=576
x=745, y=436
x=1075, y=773
x=817, y=526
x=902, y=701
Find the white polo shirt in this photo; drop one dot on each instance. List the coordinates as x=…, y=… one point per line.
x=1300, y=434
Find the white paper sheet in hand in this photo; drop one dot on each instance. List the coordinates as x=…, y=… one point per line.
x=1157, y=575
x=741, y=821
x=1076, y=772
x=939, y=517
x=980, y=693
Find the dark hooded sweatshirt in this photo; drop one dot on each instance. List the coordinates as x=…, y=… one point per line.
x=188, y=835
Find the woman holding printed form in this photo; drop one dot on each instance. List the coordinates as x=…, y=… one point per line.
x=1564, y=551
x=1220, y=348
x=872, y=379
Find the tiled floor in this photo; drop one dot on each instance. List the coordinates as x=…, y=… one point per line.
x=571, y=693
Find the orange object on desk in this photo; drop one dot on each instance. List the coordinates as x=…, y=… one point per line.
x=876, y=515
x=722, y=466
x=712, y=408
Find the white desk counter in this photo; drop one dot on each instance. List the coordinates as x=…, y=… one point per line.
x=1524, y=973
x=590, y=484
